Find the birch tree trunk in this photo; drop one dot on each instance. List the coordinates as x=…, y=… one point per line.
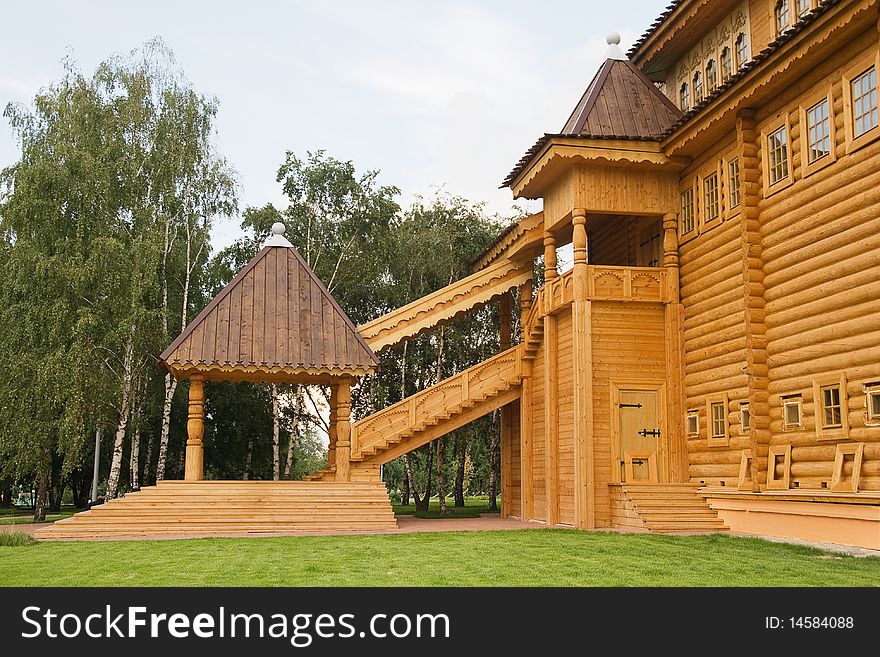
x=404, y=495
x=276, y=435
x=134, y=463
x=493, y=464
x=441, y=474
x=248, y=458
x=461, y=458
x=124, y=413
x=289, y=463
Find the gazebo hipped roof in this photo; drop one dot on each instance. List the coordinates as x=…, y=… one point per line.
x=275, y=321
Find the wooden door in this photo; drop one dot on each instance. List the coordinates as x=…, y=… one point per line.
x=640, y=437
x=650, y=246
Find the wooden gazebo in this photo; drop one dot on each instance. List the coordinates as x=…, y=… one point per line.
x=275, y=322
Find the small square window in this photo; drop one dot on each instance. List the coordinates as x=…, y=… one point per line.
x=830, y=407
x=693, y=423
x=716, y=420
x=792, y=416
x=872, y=403
x=745, y=418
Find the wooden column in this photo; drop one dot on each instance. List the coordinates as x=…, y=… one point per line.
x=331, y=426
x=551, y=416
x=525, y=415
x=505, y=314
x=343, y=429
x=753, y=293
x=194, y=467
x=549, y=257
x=582, y=362
x=674, y=329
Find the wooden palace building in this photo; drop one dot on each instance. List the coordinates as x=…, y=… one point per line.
x=711, y=359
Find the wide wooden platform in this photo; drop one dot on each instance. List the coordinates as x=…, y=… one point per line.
x=663, y=508
x=233, y=507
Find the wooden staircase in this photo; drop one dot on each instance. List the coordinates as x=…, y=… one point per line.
x=212, y=508
x=430, y=414
x=664, y=509
x=445, y=304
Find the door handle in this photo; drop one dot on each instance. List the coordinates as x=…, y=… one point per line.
x=654, y=433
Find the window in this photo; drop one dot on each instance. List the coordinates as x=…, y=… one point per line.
x=742, y=50
x=687, y=211
x=792, y=417
x=710, y=194
x=726, y=64
x=803, y=8
x=872, y=403
x=864, y=100
x=777, y=155
x=718, y=420
x=818, y=131
x=733, y=181
x=711, y=76
x=745, y=418
x=693, y=422
x=782, y=16
x=698, y=87
x=830, y=407
x=830, y=416
x=684, y=97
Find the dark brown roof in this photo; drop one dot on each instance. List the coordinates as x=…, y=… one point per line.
x=274, y=316
x=653, y=27
x=619, y=103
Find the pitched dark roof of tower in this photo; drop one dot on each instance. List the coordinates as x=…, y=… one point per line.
x=620, y=103
x=274, y=316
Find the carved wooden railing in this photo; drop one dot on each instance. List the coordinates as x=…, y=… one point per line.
x=436, y=403
x=604, y=283
x=444, y=304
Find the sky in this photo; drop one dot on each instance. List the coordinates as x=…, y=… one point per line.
x=432, y=94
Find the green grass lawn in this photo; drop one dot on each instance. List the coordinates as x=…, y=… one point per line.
x=26, y=516
x=530, y=557
x=473, y=507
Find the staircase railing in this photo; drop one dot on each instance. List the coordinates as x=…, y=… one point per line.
x=475, y=383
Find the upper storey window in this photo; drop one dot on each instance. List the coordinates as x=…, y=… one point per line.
x=687, y=211
x=698, y=87
x=742, y=50
x=818, y=131
x=803, y=7
x=684, y=97
x=864, y=100
x=726, y=64
x=782, y=15
x=777, y=155
x=711, y=76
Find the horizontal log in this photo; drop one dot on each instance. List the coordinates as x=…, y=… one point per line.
x=821, y=318
x=827, y=298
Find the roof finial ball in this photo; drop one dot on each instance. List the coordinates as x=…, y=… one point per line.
x=278, y=228
x=277, y=237
x=614, y=51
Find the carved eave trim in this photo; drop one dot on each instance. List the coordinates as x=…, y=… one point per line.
x=763, y=81
x=559, y=153
x=516, y=243
x=261, y=373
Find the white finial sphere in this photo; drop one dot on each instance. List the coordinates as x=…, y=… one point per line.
x=613, y=39
x=278, y=228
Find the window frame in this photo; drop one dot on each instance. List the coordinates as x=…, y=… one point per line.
x=833, y=432
x=798, y=13
x=809, y=168
x=744, y=412
x=684, y=94
x=717, y=440
x=771, y=128
x=738, y=61
x=731, y=210
x=693, y=232
x=698, y=84
x=711, y=84
x=776, y=16
x=871, y=390
x=725, y=49
x=695, y=414
x=851, y=142
x=710, y=222
x=796, y=400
